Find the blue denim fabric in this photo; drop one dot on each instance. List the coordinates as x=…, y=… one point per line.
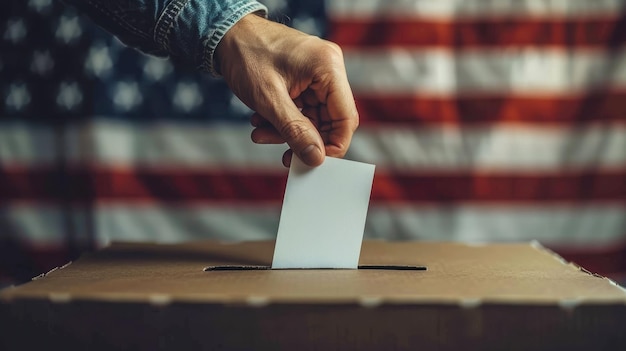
x=185, y=29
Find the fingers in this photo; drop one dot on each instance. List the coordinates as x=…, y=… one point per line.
x=266, y=135
x=303, y=138
x=287, y=158
x=344, y=116
x=257, y=120
x=264, y=132
x=290, y=124
x=340, y=107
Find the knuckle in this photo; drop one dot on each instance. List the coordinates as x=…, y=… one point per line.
x=325, y=52
x=332, y=52
x=333, y=48
x=293, y=130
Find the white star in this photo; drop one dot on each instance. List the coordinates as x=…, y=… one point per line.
x=68, y=29
x=308, y=25
x=99, y=62
x=40, y=5
x=18, y=96
x=238, y=106
x=15, y=30
x=69, y=96
x=187, y=97
x=126, y=96
x=156, y=68
x=42, y=62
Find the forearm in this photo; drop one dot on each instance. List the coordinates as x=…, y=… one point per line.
x=186, y=29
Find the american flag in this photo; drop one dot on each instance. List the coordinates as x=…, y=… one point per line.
x=487, y=120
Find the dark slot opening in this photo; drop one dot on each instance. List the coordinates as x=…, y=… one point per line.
x=260, y=268
x=393, y=267
x=236, y=268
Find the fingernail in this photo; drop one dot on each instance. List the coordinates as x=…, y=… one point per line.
x=311, y=155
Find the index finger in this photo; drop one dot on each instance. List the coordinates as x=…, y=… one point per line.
x=341, y=108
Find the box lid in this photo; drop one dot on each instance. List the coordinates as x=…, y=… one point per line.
x=524, y=273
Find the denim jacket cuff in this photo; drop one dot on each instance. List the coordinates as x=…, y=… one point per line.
x=192, y=29
x=216, y=34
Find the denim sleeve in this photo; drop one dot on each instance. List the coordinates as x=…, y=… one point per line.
x=187, y=30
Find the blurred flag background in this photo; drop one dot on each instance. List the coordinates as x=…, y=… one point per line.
x=487, y=120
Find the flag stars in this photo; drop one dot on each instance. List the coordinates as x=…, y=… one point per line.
x=157, y=69
x=15, y=31
x=187, y=97
x=99, y=62
x=42, y=63
x=40, y=6
x=17, y=97
x=69, y=96
x=68, y=29
x=126, y=96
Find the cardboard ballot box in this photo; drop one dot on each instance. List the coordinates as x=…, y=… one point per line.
x=151, y=297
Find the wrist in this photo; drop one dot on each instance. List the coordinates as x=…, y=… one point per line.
x=257, y=40
x=216, y=31
x=246, y=29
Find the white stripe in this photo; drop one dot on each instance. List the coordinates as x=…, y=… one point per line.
x=175, y=224
x=582, y=226
x=105, y=142
x=472, y=8
x=479, y=71
x=42, y=224
x=177, y=144
x=27, y=143
x=504, y=148
x=591, y=226
x=495, y=147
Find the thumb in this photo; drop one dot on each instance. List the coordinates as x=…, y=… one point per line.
x=295, y=128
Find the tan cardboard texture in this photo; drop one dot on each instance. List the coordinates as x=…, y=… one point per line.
x=150, y=296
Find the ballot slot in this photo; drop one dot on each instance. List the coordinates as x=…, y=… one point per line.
x=360, y=267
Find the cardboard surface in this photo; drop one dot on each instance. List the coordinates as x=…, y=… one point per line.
x=511, y=296
x=323, y=214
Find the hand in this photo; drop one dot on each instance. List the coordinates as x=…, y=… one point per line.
x=297, y=85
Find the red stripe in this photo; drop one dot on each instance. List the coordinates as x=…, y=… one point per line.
x=480, y=33
x=87, y=185
x=609, y=106
x=583, y=186
x=108, y=184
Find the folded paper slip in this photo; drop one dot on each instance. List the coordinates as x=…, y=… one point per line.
x=471, y=297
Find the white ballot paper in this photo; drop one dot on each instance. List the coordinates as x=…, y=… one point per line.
x=323, y=215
